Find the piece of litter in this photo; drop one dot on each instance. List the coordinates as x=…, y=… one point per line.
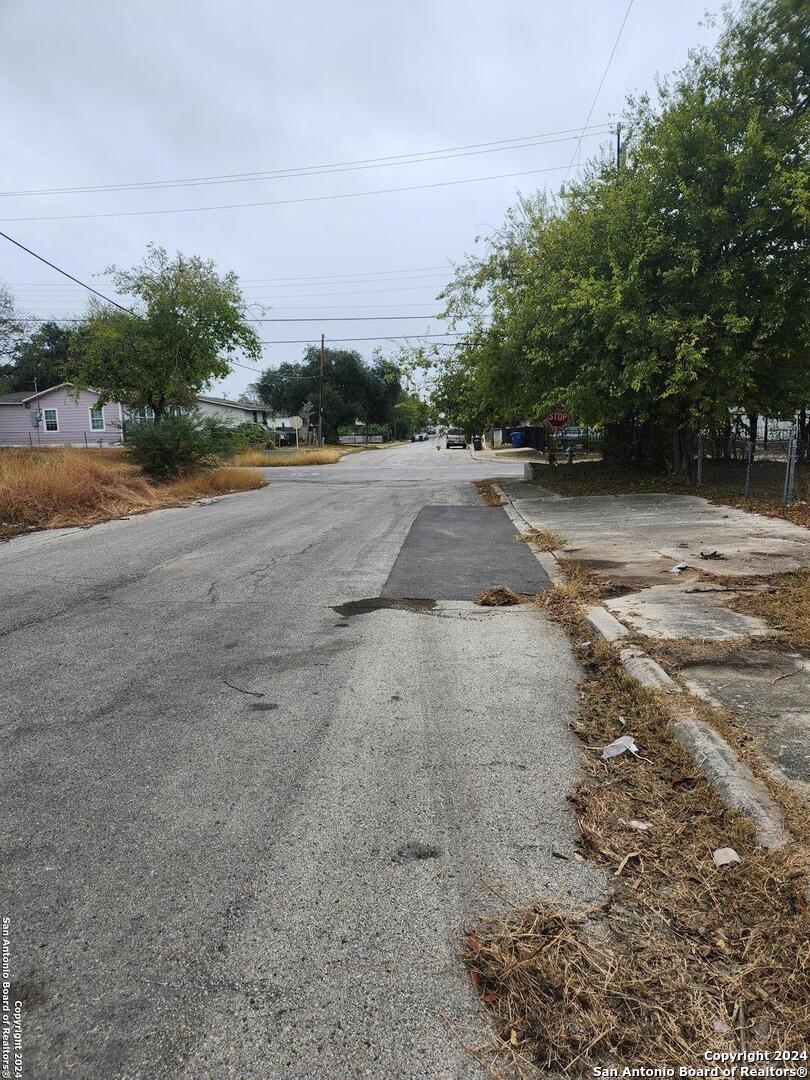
x=679, y=568
x=634, y=823
x=618, y=746
x=721, y=1027
x=622, y=721
x=725, y=855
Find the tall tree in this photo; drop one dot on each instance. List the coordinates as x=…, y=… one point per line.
x=186, y=321
x=352, y=389
x=42, y=357
x=677, y=292
x=10, y=331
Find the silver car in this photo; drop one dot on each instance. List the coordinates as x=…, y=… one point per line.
x=456, y=437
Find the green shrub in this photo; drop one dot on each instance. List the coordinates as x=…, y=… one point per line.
x=253, y=436
x=176, y=446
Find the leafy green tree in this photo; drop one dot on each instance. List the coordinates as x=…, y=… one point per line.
x=352, y=389
x=187, y=320
x=674, y=294
x=10, y=331
x=41, y=357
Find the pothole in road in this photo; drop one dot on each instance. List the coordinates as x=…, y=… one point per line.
x=378, y=603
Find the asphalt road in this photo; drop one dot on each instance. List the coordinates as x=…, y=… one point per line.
x=242, y=830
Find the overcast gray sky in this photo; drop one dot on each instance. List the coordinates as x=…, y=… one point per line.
x=107, y=92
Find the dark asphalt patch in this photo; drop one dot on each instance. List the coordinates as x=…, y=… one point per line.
x=457, y=552
x=376, y=603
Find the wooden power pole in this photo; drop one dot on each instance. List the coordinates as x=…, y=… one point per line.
x=320, y=398
x=618, y=147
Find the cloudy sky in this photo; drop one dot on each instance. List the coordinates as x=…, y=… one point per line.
x=107, y=93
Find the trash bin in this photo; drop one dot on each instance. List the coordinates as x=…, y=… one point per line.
x=476, y=442
x=518, y=439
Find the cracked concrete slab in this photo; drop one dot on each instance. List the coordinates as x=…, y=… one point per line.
x=681, y=611
x=769, y=690
x=637, y=539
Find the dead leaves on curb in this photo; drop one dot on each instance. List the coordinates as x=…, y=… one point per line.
x=683, y=955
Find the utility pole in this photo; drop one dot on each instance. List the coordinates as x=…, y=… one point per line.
x=320, y=398
x=618, y=147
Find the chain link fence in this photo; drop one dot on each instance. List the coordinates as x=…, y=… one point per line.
x=774, y=465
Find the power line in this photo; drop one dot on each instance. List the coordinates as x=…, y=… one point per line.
x=297, y=319
x=414, y=158
x=599, y=88
x=301, y=279
x=383, y=337
x=289, y=202
x=59, y=270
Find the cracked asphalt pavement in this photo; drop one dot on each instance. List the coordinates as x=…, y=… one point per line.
x=241, y=829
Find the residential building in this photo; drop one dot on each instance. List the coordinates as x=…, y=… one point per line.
x=55, y=417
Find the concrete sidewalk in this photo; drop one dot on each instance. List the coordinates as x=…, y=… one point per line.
x=638, y=541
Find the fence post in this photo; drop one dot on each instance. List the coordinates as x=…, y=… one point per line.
x=748, y=469
x=790, y=471
x=699, y=477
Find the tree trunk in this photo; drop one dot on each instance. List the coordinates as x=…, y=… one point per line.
x=753, y=423
x=682, y=446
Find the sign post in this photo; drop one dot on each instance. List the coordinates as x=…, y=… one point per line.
x=297, y=424
x=556, y=419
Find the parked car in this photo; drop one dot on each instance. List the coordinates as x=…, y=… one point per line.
x=456, y=437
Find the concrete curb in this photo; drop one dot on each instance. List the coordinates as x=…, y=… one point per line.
x=726, y=773
x=732, y=779
x=545, y=558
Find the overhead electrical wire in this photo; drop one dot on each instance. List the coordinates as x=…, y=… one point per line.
x=414, y=158
x=310, y=318
x=293, y=282
x=287, y=202
x=59, y=270
x=599, y=90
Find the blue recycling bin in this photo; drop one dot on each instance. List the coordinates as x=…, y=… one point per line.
x=518, y=439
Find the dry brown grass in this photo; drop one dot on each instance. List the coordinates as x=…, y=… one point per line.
x=544, y=539
x=55, y=488
x=222, y=481
x=488, y=492
x=784, y=602
x=676, y=653
x=582, y=587
x=249, y=459
x=681, y=957
x=500, y=596
x=324, y=456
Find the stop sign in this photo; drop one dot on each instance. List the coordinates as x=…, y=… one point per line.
x=558, y=418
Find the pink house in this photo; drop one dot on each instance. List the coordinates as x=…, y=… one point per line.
x=55, y=418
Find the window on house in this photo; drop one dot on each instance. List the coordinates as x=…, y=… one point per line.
x=51, y=418
x=97, y=419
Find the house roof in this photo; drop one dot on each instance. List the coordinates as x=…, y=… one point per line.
x=249, y=406
x=18, y=397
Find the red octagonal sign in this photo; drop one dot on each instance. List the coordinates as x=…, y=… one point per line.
x=558, y=418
